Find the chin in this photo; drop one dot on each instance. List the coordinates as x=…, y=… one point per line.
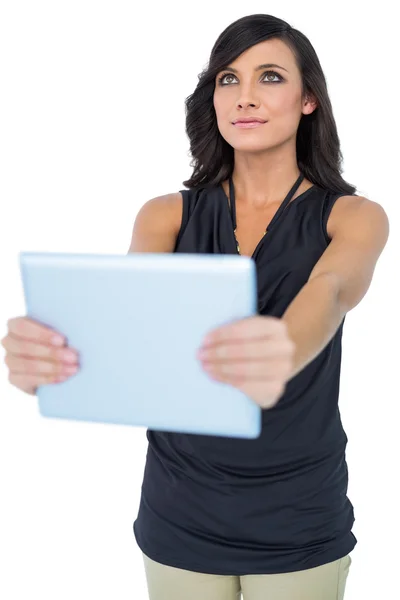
x=250, y=145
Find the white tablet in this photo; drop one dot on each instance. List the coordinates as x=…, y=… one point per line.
x=137, y=321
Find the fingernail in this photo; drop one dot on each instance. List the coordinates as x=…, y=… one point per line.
x=57, y=340
x=69, y=356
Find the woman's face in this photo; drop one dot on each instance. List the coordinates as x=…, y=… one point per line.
x=271, y=93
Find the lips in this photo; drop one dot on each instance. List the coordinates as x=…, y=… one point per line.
x=249, y=120
x=248, y=124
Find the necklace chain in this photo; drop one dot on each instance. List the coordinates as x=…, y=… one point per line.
x=237, y=243
x=295, y=187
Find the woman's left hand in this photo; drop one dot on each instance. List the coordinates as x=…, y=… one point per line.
x=254, y=355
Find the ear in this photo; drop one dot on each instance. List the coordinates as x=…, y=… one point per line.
x=310, y=104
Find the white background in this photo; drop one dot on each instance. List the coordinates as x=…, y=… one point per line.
x=92, y=126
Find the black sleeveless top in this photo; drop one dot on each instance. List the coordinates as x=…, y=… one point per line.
x=277, y=503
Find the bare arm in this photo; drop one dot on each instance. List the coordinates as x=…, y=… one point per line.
x=157, y=224
x=339, y=280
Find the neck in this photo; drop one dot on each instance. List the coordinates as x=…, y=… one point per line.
x=261, y=181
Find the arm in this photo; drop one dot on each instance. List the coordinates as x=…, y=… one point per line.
x=339, y=280
x=157, y=224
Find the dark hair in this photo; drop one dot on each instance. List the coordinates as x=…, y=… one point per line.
x=319, y=157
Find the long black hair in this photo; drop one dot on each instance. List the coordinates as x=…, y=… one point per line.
x=319, y=157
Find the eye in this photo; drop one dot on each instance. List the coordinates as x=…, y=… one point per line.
x=224, y=76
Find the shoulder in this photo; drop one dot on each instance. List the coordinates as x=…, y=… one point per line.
x=156, y=210
x=157, y=224
x=353, y=211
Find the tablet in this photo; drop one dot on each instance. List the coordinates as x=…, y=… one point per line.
x=137, y=321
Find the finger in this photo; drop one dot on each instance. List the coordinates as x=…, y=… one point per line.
x=22, y=347
x=27, y=328
x=29, y=384
x=271, y=389
x=267, y=396
x=249, y=370
x=256, y=349
x=28, y=366
x=251, y=327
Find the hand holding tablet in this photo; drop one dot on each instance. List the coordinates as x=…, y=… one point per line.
x=37, y=355
x=137, y=322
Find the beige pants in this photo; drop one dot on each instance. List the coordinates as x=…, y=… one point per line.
x=326, y=582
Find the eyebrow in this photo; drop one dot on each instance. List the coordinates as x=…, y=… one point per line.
x=265, y=66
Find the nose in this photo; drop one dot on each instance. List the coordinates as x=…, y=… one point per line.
x=246, y=103
x=247, y=99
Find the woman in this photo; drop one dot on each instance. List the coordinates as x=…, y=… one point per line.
x=268, y=517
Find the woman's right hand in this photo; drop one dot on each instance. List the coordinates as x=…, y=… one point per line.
x=32, y=357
